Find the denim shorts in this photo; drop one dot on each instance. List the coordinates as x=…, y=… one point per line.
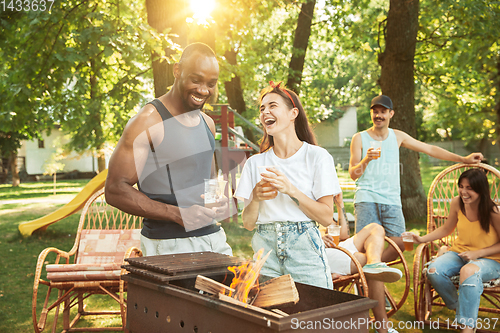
x=296, y=249
x=388, y=216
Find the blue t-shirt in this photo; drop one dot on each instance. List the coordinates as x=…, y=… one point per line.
x=380, y=181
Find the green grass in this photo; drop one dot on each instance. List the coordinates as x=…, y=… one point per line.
x=17, y=264
x=41, y=189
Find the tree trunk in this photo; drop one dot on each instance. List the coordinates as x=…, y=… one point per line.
x=163, y=14
x=55, y=182
x=101, y=162
x=98, y=132
x=397, y=82
x=234, y=93
x=300, y=43
x=14, y=170
x=497, y=97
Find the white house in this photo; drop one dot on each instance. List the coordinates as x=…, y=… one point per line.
x=337, y=132
x=37, y=153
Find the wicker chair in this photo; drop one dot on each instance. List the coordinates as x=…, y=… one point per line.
x=105, y=236
x=356, y=283
x=442, y=190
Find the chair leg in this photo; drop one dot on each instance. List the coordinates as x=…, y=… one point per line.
x=397, y=301
x=66, y=313
x=56, y=310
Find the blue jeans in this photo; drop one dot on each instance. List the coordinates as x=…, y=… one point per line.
x=388, y=216
x=296, y=249
x=466, y=302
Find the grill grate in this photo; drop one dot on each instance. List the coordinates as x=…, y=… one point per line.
x=165, y=268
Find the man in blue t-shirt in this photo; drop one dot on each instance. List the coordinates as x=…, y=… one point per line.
x=374, y=165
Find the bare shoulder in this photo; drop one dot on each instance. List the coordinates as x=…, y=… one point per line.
x=356, y=140
x=146, y=118
x=455, y=204
x=400, y=135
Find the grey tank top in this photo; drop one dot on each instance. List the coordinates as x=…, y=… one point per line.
x=175, y=170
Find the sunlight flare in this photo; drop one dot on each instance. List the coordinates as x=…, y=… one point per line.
x=202, y=10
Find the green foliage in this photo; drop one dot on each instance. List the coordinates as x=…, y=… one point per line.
x=458, y=56
x=340, y=66
x=84, y=65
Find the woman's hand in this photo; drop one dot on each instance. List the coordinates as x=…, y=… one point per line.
x=469, y=255
x=264, y=191
x=328, y=240
x=278, y=180
x=416, y=238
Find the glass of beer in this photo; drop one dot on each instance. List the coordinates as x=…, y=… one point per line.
x=408, y=240
x=263, y=169
x=377, y=146
x=214, y=189
x=334, y=231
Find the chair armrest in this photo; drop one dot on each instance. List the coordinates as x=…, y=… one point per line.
x=60, y=254
x=41, y=261
x=132, y=252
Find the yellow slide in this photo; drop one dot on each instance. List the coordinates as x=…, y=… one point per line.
x=27, y=228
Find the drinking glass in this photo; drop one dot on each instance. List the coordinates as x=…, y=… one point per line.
x=214, y=189
x=377, y=146
x=334, y=231
x=262, y=169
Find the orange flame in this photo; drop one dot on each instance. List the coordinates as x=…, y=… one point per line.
x=245, y=278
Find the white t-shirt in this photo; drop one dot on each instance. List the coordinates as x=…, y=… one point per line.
x=311, y=169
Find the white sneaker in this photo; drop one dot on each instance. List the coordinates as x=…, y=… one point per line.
x=381, y=272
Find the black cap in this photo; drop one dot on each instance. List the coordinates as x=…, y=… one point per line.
x=383, y=100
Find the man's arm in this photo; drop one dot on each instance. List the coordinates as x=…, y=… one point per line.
x=129, y=155
x=358, y=164
x=407, y=141
x=126, y=163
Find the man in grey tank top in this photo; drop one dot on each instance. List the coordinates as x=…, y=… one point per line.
x=167, y=150
x=376, y=171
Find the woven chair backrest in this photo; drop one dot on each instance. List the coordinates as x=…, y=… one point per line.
x=105, y=232
x=445, y=187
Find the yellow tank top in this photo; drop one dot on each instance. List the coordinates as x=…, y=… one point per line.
x=472, y=237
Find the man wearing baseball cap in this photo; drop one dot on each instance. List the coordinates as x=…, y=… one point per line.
x=374, y=165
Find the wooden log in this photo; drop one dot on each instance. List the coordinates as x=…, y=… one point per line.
x=211, y=286
x=277, y=291
x=278, y=311
x=231, y=300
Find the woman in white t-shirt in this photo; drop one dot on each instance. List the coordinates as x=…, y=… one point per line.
x=286, y=201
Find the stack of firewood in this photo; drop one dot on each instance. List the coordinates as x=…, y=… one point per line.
x=245, y=292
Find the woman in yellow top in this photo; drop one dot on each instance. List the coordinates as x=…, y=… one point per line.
x=475, y=254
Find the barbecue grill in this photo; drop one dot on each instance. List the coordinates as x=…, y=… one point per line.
x=162, y=298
